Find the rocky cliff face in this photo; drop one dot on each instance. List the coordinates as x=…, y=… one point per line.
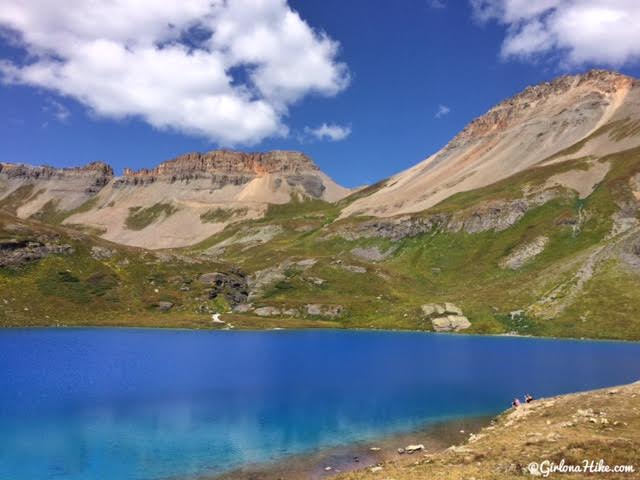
x=180, y=202
x=30, y=189
x=591, y=113
x=98, y=174
x=238, y=167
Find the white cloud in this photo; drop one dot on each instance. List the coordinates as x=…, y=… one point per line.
x=578, y=31
x=437, y=4
x=442, y=111
x=225, y=70
x=330, y=132
x=56, y=109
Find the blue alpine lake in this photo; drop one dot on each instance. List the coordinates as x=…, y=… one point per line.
x=155, y=404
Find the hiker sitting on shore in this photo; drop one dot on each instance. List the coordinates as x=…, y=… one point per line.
x=528, y=398
x=515, y=403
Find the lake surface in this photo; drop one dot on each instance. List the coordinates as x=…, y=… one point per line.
x=151, y=404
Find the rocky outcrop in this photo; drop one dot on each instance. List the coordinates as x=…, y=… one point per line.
x=524, y=253
x=445, y=317
x=262, y=279
x=225, y=167
x=371, y=254
x=232, y=286
x=99, y=170
x=496, y=215
x=15, y=253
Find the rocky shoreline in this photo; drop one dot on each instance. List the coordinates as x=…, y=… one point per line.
x=599, y=424
x=326, y=463
x=592, y=430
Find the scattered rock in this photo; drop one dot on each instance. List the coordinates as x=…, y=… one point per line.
x=371, y=254
x=101, y=253
x=329, y=311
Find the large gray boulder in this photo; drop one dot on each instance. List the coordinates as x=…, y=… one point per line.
x=445, y=317
x=450, y=323
x=267, y=311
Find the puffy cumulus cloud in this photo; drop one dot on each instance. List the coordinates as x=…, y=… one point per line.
x=577, y=31
x=227, y=70
x=330, y=132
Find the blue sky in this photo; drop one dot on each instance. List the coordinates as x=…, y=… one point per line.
x=385, y=71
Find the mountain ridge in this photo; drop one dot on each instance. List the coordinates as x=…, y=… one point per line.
x=186, y=199
x=547, y=246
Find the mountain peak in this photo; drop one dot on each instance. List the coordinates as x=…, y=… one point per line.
x=535, y=125
x=596, y=86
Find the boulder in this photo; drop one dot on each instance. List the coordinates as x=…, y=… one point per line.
x=413, y=448
x=450, y=308
x=101, y=253
x=164, y=306
x=355, y=269
x=267, y=311
x=450, y=323
x=432, y=309
x=242, y=308
x=439, y=309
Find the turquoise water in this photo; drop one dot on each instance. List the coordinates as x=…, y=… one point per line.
x=151, y=404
